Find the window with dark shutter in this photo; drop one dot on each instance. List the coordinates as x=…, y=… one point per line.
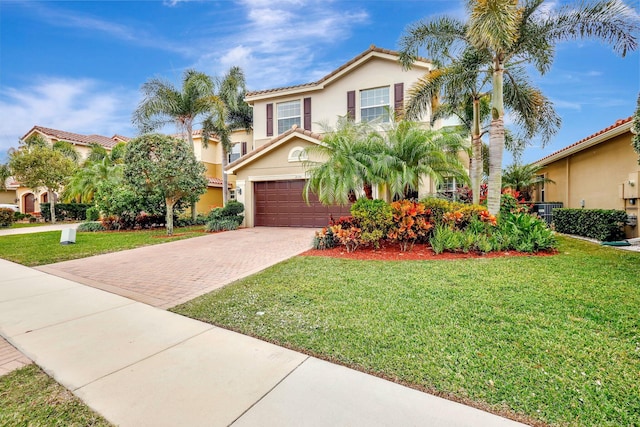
x=244, y=149
x=307, y=114
x=269, y=119
x=398, y=97
x=351, y=104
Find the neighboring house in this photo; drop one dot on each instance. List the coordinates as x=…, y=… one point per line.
x=8, y=196
x=600, y=171
x=270, y=178
x=29, y=199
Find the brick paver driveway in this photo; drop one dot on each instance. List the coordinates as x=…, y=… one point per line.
x=168, y=274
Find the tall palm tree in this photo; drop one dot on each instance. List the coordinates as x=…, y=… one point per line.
x=523, y=178
x=412, y=153
x=343, y=165
x=231, y=114
x=463, y=86
x=163, y=104
x=513, y=33
x=100, y=166
x=524, y=31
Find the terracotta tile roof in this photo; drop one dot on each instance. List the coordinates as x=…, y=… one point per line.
x=372, y=48
x=75, y=138
x=215, y=182
x=122, y=138
x=294, y=129
x=618, y=123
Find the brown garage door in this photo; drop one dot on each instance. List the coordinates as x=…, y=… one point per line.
x=280, y=204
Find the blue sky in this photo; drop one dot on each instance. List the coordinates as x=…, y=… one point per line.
x=78, y=65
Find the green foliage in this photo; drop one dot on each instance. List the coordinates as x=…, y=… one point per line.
x=635, y=129
x=526, y=233
x=230, y=212
x=232, y=208
x=523, y=179
x=375, y=218
x=324, y=239
x=91, y=226
x=7, y=217
x=66, y=211
x=93, y=213
x=155, y=162
x=221, y=224
x=599, y=224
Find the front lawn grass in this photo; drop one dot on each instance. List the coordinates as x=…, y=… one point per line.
x=552, y=339
x=45, y=248
x=28, y=224
x=28, y=397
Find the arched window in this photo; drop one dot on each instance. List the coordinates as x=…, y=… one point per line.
x=298, y=154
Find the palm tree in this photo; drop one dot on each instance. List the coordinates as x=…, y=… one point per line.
x=163, y=104
x=514, y=31
x=233, y=113
x=100, y=166
x=523, y=178
x=412, y=153
x=343, y=165
x=463, y=85
x=512, y=34
x=5, y=173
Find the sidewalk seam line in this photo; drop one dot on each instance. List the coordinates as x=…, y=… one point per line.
x=268, y=391
x=146, y=357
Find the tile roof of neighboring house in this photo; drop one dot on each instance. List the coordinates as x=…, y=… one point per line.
x=585, y=141
x=372, y=48
x=122, y=138
x=294, y=129
x=75, y=138
x=215, y=182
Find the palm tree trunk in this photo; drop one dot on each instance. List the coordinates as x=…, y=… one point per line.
x=496, y=140
x=476, y=153
x=194, y=213
x=225, y=179
x=169, y=216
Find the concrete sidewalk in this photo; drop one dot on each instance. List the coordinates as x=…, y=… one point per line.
x=142, y=366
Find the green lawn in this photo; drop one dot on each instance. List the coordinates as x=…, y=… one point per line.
x=27, y=224
x=549, y=339
x=28, y=397
x=45, y=248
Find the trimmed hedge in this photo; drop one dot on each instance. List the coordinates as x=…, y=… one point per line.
x=600, y=224
x=64, y=211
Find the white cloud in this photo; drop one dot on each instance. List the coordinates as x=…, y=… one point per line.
x=82, y=106
x=276, y=41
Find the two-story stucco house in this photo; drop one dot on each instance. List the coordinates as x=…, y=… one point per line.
x=29, y=199
x=270, y=178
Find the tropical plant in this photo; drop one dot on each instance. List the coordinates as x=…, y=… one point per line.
x=411, y=153
x=164, y=164
x=523, y=178
x=514, y=32
x=231, y=114
x=375, y=217
x=343, y=165
x=5, y=173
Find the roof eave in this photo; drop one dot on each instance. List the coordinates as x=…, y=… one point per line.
x=618, y=130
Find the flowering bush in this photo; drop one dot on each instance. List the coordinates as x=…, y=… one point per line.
x=349, y=237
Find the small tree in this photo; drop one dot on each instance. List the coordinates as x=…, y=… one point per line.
x=38, y=166
x=166, y=164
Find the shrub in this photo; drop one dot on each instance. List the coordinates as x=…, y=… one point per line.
x=7, y=217
x=233, y=208
x=221, y=224
x=324, y=239
x=526, y=233
x=186, y=220
x=349, y=237
x=410, y=223
x=375, y=217
x=93, y=214
x=600, y=224
x=230, y=212
x=65, y=211
x=91, y=226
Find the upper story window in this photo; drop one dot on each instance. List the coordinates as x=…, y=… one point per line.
x=235, y=153
x=288, y=115
x=374, y=104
